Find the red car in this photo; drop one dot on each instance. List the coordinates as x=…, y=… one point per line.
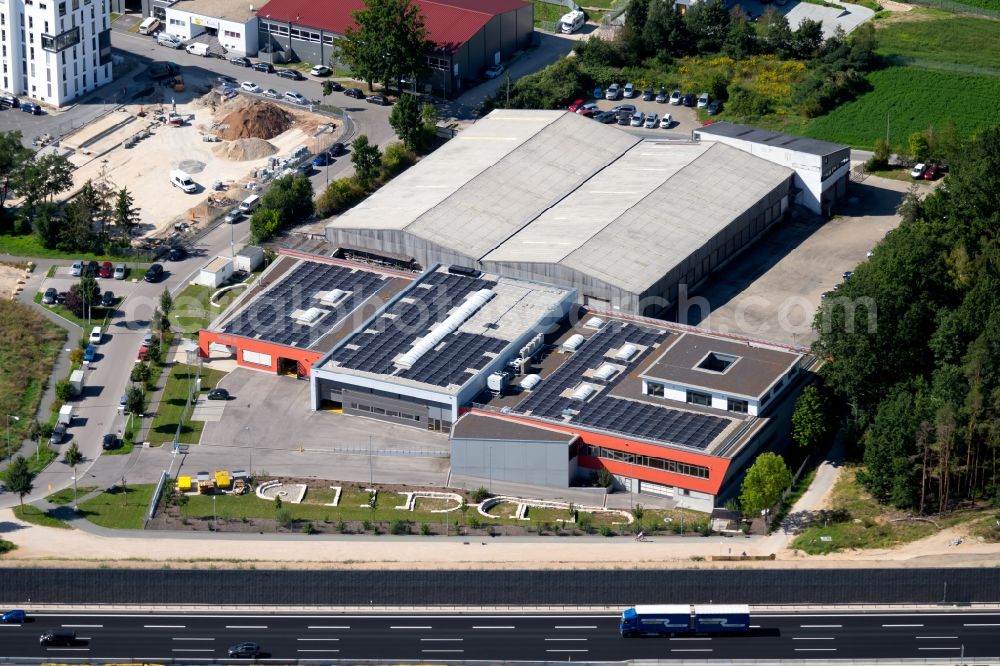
x=106, y=270
x=143, y=354
x=931, y=172
x=576, y=105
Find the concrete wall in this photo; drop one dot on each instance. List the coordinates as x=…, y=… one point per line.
x=531, y=462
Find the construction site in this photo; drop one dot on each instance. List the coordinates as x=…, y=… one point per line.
x=231, y=145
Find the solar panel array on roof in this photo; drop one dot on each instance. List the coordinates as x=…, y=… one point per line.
x=612, y=413
x=412, y=317
x=269, y=317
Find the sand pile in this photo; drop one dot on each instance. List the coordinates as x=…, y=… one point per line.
x=241, y=150
x=262, y=120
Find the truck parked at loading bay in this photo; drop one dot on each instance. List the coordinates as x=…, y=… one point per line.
x=684, y=619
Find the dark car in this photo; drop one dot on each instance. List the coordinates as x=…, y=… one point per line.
x=624, y=118
x=931, y=173
x=110, y=442
x=377, y=99
x=226, y=80
x=50, y=296
x=245, y=649
x=241, y=61
x=689, y=100
x=154, y=273
x=337, y=149
x=58, y=434
x=218, y=394
x=647, y=94
x=91, y=269
x=355, y=93
x=108, y=299
x=335, y=86
x=8, y=100
x=234, y=215
x=105, y=270
x=714, y=107
x=291, y=74
x=323, y=159
x=32, y=108
x=663, y=96
x=58, y=637
x=606, y=117
x=176, y=254
x=264, y=67
x=16, y=616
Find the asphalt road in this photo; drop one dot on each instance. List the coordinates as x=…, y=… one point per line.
x=550, y=637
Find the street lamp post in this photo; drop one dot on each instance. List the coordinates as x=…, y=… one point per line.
x=215, y=516
x=9, y=417
x=74, y=488
x=246, y=429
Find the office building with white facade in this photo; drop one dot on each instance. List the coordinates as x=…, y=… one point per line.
x=54, y=51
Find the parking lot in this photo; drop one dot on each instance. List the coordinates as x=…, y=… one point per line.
x=774, y=288
x=685, y=118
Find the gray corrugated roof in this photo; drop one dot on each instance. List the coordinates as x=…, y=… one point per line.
x=479, y=426
x=756, y=135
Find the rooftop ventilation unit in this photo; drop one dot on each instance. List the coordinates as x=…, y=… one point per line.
x=472, y=303
x=530, y=382
x=595, y=323
x=573, y=343
x=626, y=352
x=605, y=372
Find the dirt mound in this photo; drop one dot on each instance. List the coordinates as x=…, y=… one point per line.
x=261, y=120
x=241, y=150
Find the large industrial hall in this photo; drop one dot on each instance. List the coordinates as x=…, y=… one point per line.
x=555, y=197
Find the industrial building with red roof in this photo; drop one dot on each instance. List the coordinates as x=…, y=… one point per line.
x=469, y=35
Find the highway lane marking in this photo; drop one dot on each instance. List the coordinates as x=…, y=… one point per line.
x=821, y=626
x=755, y=626
x=192, y=650
x=246, y=626
x=164, y=626
x=980, y=625
x=508, y=626
x=407, y=627
x=85, y=626
x=812, y=638
x=567, y=650
x=690, y=649
x=902, y=625
x=74, y=649
x=582, y=626
x=452, y=651
x=192, y=639
x=442, y=640
x=815, y=649
x=957, y=647
x=317, y=639
x=319, y=626
x=938, y=638
x=673, y=638
x=565, y=639
x=317, y=650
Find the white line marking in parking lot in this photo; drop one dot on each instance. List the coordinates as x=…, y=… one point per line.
x=942, y=648
x=980, y=625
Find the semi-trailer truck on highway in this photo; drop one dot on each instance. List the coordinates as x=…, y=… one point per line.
x=668, y=620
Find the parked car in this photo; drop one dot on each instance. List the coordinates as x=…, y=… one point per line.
x=270, y=93
x=663, y=96
x=245, y=649
x=106, y=270
x=918, y=171
x=76, y=270
x=652, y=120
x=337, y=149
x=638, y=118
x=714, y=107
x=290, y=74
x=50, y=296
x=666, y=121
x=336, y=87
x=153, y=273
x=613, y=93
x=848, y=275
x=250, y=86
x=120, y=272
x=176, y=254
x=108, y=299
x=931, y=173
x=89, y=353
x=110, y=442
x=688, y=100
x=16, y=616
x=703, y=100
x=296, y=98
x=624, y=118
x=7, y=100
x=647, y=94
x=605, y=117
x=32, y=108
x=58, y=434
x=578, y=104
x=147, y=338
x=675, y=97
x=321, y=70
x=234, y=215
x=142, y=354
x=241, y=61
x=322, y=159
x=493, y=71
x=629, y=91
x=218, y=394
x=377, y=99
x=91, y=269
x=224, y=80
x=624, y=108
x=96, y=335
x=265, y=67
x=355, y=93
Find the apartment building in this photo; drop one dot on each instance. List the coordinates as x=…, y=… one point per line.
x=54, y=51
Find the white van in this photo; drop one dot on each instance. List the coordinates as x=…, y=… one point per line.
x=96, y=335
x=250, y=204
x=168, y=40
x=571, y=21
x=149, y=26
x=182, y=180
x=198, y=50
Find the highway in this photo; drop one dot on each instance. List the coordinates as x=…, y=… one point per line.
x=196, y=636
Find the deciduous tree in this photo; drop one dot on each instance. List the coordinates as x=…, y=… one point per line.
x=367, y=160
x=811, y=420
x=405, y=119
x=765, y=480
x=20, y=479
x=387, y=42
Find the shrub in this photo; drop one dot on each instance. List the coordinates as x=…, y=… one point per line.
x=366, y=525
x=480, y=494
x=309, y=528
x=64, y=390
x=341, y=526
x=604, y=478
x=339, y=195
x=425, y=529
x=605, y=530
x=639, y=512
x=400, y=527
x=277, y=504
x=283, y=517
x=397, y=159
x=585, y=522
x=76, y=356
x=474, y=522
x=743, y=102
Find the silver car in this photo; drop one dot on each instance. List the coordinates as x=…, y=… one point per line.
x=638, y=118
x=652, y=120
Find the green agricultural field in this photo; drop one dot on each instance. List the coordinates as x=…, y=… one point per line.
x=956, y=40
x=915, y=99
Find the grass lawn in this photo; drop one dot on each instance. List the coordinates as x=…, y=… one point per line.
x=124, y=509
x=28, y=246
x=172, y=403
x=97, y=313
x=32, y=514
x=947, y=39
x=547, y=13
x=915, y=99
x=65, y=496
x=193, y=311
